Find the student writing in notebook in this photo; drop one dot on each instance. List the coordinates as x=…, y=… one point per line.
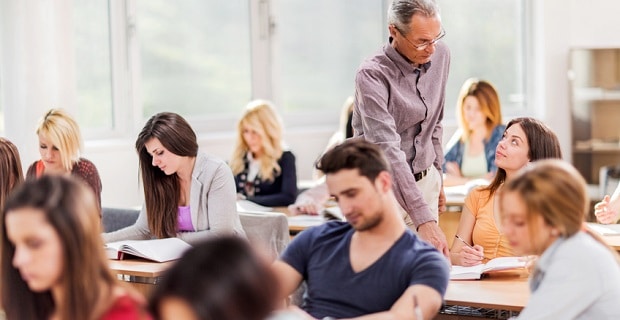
x=607, y=211
x=480, y=237
x=577, y=276
x=53, y=264
x=188, y=194
x=372, y=265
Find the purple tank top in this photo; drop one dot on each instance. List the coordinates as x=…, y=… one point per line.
x=185, y=219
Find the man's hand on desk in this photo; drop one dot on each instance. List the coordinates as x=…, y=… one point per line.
x=431, y=233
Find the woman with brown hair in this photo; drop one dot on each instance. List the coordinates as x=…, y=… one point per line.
x=577, y=276
x=187, y=194
x=479, y=235
x=221, y=278
x=53, y=264
x=10, y=169
x=471, y=150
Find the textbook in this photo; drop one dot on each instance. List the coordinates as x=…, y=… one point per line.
x=249, y=206
x=497, y=264
x=159, y=250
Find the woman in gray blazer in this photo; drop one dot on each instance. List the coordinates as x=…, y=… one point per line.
x=188, y=194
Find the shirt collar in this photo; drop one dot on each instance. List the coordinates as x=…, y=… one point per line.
x=401, y=61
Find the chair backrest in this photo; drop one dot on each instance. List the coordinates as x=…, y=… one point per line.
x=117, y=218
x=266, y=230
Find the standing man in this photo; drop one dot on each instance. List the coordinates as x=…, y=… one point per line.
x=399, y=105
x=372, y=265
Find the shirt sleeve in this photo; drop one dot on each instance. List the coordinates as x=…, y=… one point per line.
x=138, y=231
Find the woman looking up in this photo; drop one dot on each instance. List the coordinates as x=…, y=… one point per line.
x=187, y=193
x=480, y=237
x=264, y=172
x=60, y=142
x=471, y=150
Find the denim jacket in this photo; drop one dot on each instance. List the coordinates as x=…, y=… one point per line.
x=456, y=148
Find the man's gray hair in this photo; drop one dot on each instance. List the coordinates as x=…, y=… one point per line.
x=401, y=12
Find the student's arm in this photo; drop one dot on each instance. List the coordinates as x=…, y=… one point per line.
x=460, y=253
x=428, y=299
x=607, y=210
x=289, y=279
x=138, y=231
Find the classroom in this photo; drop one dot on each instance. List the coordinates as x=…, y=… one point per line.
x=113, y=65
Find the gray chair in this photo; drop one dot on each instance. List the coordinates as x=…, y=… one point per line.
x=266, y=230
x=117, y=218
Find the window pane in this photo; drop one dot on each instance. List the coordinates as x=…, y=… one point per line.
x=320, y=44
x=490, y=47
x=92, y=58
x=195, y=56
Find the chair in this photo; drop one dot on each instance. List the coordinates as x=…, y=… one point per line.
x=117, y=218
x=267, y=230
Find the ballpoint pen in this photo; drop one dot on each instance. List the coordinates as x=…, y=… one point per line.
x=465, y=242
x=416, y=309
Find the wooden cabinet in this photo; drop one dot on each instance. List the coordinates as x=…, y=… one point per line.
x=594, y=76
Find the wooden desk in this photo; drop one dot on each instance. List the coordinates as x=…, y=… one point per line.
x=504, y=292
x=142, y=274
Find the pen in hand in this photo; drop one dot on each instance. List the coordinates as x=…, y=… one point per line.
x=468, y=245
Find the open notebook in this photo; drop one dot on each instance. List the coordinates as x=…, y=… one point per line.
x=497, y=264
x=160, y=250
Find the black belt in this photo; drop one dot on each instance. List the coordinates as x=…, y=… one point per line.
x=418, y=176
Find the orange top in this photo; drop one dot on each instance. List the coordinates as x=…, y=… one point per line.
x=485, y=231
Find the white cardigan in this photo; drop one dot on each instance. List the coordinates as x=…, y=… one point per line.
x=212, y=204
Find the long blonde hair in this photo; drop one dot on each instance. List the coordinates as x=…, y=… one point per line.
x=64, y=133
x=555, y=191
x=261, y=116
x=489, y=103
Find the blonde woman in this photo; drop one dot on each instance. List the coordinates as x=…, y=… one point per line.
x=264, y=172
x=471, y=151
x=577, y=276
x=60, y=142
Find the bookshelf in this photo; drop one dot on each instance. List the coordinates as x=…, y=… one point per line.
x=594, y=78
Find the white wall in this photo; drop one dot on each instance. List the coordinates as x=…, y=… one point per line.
x=558, y=26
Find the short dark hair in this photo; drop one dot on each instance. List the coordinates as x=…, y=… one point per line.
x=220, y=278
x=355, y=153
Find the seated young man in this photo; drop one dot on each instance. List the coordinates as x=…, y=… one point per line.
x=372, y=265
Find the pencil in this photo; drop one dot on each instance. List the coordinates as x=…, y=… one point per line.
x=463, y=241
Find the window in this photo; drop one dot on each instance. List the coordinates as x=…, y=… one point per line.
x=487, y=41
x=93, y=64
x=194, y=56
x=207, y=59
x=318, y=46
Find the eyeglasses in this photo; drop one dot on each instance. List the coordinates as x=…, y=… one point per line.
x=424, y=45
